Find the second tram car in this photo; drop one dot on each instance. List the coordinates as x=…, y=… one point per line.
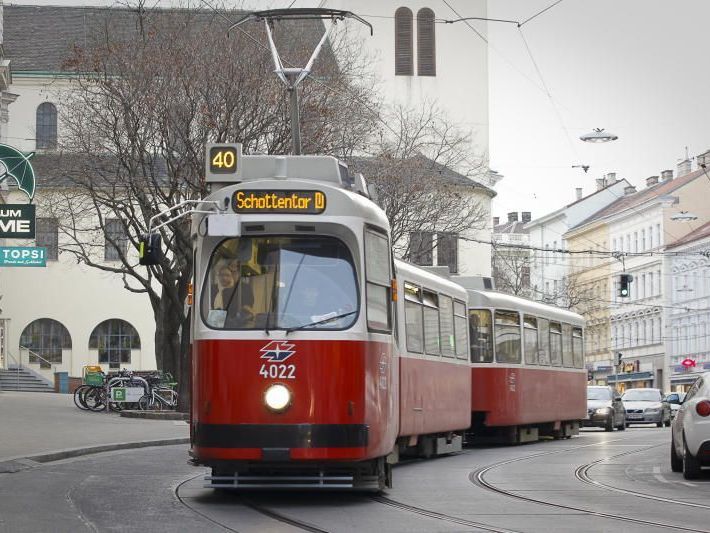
x=528, y=377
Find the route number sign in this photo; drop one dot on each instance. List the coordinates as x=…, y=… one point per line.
x=222, y=162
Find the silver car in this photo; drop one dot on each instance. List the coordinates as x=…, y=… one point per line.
x=646, y=406
x=604, y=408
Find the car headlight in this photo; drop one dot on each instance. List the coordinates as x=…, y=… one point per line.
x=653, y=410
x=277, y=397
x=602, y=411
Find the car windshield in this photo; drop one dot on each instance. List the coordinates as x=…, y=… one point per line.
x=598, y=394
x=641, y=395
x=305, y=282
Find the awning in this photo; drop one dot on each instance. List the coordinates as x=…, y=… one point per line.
x=684, y=378
x=634, y=376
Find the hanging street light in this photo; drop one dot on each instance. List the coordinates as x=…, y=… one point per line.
x=684, y=216
x=598, y=135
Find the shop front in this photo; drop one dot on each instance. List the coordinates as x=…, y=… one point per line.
x=631, y=380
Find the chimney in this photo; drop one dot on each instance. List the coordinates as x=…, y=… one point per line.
x=684, y=167
x=578, y=192
x=651, y=181
x=600, y=183
x=496, y=221
x=666, y=175
x=629, y=189
x=527, y=216
x=513, y=216
x=611, y=178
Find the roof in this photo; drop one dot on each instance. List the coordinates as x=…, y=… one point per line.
x=372, y=166
x=629, y=201
x=695, y=235
x=41, y=38
x=511, y=227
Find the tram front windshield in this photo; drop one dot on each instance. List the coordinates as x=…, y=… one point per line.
x=284, y=282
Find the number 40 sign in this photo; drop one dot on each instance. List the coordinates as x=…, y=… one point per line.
x=222, y=162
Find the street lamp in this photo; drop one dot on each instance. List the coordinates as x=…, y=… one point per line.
x=684, y=216
x=598, y=135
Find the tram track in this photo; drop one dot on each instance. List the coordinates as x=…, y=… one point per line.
x=478, y=478
x=582, y=474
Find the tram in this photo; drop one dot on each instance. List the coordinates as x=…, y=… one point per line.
x=297, y=375
x=527, y=367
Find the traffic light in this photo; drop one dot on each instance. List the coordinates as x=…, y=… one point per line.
x=625, y=285
x=619, y=355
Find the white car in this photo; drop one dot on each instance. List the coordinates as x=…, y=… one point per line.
x=690, y=435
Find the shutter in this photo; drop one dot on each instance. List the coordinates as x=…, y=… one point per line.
x=426, y=46
x=403, y=42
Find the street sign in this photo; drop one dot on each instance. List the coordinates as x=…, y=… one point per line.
x=17, y=221
x=22, y=256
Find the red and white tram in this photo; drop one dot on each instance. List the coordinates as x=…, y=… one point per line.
x=297, y=379
x=527, y=368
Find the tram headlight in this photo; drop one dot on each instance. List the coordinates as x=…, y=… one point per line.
x=277, y=397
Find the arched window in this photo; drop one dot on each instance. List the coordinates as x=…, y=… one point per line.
x=46, y=133
x=45, y=338
x=114, y=339
x=403, y=42
x=426, y=43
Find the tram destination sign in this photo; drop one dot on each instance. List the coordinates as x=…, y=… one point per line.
x=268, y=201
x=17, y=221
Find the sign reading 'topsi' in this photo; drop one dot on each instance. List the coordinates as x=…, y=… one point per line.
x=267, y=201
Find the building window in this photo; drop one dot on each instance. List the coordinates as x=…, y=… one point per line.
x=116, y=240
x=403, y=42
x=613, y=245
x=628, y=243
x=421, y=247
x=643, y=240
x=47, y=236
x=45, y=338
x=46, y=128
x=114, y=339
x=426, y=43
x=650, y=237
x=636, y=241
x=658, y=235
x=447, y=251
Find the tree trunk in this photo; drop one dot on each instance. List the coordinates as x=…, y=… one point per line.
x=170, y=353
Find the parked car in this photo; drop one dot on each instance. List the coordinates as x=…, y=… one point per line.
x=604, y=408
x=690, y=435
x=646, y=406
x=674, y=399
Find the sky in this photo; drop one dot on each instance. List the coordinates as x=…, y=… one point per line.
x=637, y=68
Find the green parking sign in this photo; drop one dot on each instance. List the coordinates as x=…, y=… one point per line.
x=118, y=394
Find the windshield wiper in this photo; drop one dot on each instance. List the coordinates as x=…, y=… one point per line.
x=321, y=321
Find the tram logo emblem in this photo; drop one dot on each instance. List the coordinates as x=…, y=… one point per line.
x=277, y=351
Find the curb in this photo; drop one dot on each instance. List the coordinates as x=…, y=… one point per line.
x=156, y=415
x=23, y=463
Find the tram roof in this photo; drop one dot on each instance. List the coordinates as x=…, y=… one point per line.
x=498, y=300
x=428, y=279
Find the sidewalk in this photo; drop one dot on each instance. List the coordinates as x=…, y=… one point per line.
x=34, y=423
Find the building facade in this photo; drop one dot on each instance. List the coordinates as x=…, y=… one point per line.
x=512, y=257
x=688, y=346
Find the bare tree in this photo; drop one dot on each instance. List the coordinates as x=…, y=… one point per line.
x=511, y=269
x=422, y=168
x=149, y=90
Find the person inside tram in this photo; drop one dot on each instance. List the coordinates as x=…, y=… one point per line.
x=225, y=281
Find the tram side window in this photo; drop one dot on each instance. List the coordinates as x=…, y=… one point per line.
x=577, y=347
x=531, y=340
x=481, y=333
x=555, y=344
x=460, y=329
x=413, y=318
x=377, y=269
x=567, y=356
x=431, y=323
x=507, y=333
x=446, y=320
x=543, y=329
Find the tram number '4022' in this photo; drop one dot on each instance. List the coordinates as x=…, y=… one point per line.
x=278, y=371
